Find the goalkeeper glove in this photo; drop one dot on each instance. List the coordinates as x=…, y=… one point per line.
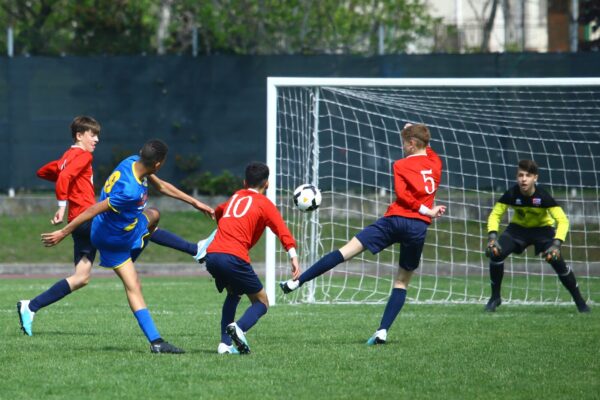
x=493, y=247
x=552, y=253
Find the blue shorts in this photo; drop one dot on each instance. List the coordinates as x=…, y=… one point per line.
x=116, y=248
x=82, y=243
x=233, y=272
x=386, y=231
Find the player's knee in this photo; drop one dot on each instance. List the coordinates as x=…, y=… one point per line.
x=153, y=216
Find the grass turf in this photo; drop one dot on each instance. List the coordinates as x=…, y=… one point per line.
x=89, y=346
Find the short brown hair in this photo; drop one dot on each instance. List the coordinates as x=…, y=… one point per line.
x=84, y=123
x=257, y=174
x=529, y=166
x=152, y=152
x=419, y=132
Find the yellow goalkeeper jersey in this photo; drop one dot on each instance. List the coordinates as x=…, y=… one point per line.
x=537, y=210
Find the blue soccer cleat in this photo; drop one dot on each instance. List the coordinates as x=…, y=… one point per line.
x=238, y=338
x=25, y=316
x=378, y=337
x=202, y=246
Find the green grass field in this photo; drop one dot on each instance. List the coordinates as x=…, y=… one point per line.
x=89, y=346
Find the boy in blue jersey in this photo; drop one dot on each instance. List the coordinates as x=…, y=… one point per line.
x=122, y=224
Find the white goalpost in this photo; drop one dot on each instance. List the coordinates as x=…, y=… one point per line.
x=343, y=135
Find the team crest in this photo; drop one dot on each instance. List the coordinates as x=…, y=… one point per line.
x=518, y=202
x=536, y=201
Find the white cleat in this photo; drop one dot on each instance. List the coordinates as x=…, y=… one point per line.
x=289, y=286
x=227, y=349
x=239, y=339
x=378, y=337
x=202, y=246
x=25, y=316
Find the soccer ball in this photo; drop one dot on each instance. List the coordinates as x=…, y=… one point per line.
x=307, y=197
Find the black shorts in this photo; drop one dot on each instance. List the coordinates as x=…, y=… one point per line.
x=515, y=239
x=82, y=244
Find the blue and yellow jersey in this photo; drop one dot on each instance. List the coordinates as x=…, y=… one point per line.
x=537, y=210
x=127, y=195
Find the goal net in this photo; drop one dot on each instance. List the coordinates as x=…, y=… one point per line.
x=343, y=135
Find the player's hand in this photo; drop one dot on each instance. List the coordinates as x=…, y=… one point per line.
x=295, y=268
x=552, y=253
x=437, y=211
x=53, y=238
x=58, y=216
x=207, y=210
x=493, y=248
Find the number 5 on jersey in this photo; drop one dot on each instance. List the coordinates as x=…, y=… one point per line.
x=428, y=179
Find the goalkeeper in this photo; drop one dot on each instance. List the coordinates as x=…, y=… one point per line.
x=536, y=213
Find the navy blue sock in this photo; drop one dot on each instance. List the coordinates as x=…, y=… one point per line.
x=393, y=307
x=169, y=239
x=228, y=316
x=327, y=262
x=251, y=316
x=59, y=290
x=147, y=324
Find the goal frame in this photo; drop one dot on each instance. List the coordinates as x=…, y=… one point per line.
x=273, y=83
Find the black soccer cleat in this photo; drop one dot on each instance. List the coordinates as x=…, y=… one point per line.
x=166, y=348
x=583, y=308
x=238, y=338
x=284, y=287
x=492, y=304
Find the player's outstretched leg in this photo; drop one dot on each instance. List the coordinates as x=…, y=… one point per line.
x=496, y=276
x=326, y=263
x=202, y=246
x=25, y=316
x=238, y=337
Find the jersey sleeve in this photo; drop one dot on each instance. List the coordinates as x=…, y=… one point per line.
x=562, y=222
x=71, y=170
x=49, y=171
x=495, y=217
x=219, y=211
x=403, y=196
x=278, y=226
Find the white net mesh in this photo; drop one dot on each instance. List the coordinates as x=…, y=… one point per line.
x=345, y=139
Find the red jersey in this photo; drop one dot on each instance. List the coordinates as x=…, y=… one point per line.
x=416, y=179
x=241, y=221
x=74, y=180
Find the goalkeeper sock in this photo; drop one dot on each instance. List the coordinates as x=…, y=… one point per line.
x=251, y=316
x=228, y=316
x=496, y=275
x=59, y=290
x=326, y=263
x=169, y=239
x=567, y=278
x=392, y=308
x=147, y=324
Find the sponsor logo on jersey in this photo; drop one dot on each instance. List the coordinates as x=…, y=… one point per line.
x=536, y=201
x=518, y=202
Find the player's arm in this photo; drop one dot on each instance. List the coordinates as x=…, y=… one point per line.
x=48, y=171
x=53, y=238
x=562, y=227
x=63, y=182
x=170, y=190
x=493, y=247
x=276, y=223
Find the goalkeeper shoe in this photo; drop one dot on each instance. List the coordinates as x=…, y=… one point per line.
x=227, y=349
x=202, y=246
x=378, y=337
x=289, y=286
x=492, y=304
x=25, y=316
x=165, y=348
x=583, y=308
x=238, y=337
